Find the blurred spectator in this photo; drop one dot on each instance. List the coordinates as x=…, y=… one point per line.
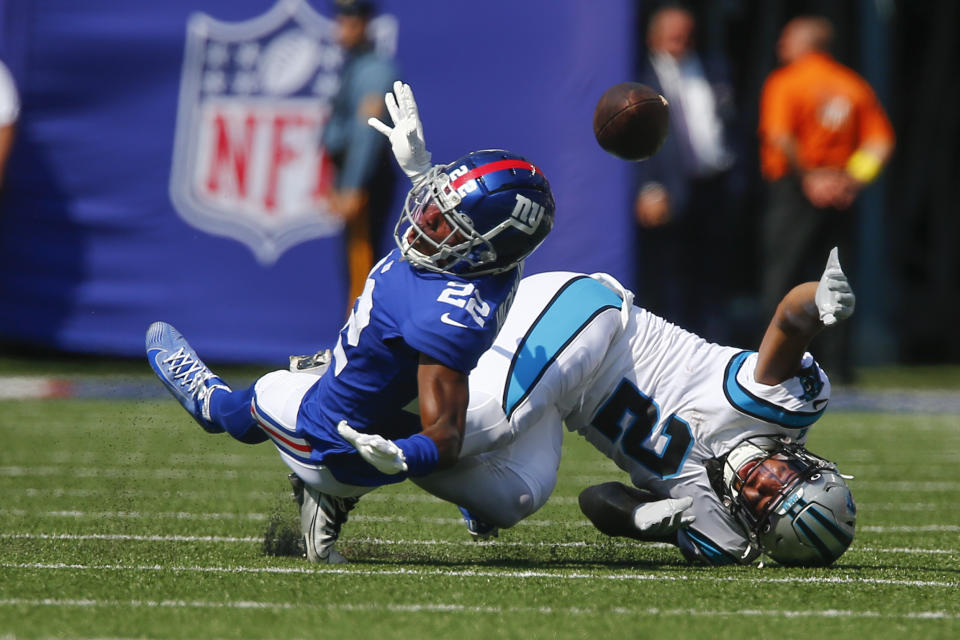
x=9, y=112
x=823, y=137
x=686, y=190
x=363, y=187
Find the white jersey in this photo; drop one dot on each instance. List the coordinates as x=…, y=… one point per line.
x=656, y=399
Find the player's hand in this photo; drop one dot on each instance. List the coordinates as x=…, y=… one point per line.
x=406, y=135
x=663, y=517
x=824, y=187
x=834, y=297
x=383, y=454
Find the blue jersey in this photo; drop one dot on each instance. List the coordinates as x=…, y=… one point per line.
x=372, y=381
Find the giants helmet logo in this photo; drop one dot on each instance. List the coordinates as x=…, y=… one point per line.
x=526, y=214
x=254, y=98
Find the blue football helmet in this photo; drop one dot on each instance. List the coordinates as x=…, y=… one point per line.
x=793, y=504
x=479, y=215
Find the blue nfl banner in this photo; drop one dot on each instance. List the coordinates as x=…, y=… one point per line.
x=253, y=99
x=168, y=164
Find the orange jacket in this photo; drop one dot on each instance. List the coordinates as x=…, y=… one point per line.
x=826, y=108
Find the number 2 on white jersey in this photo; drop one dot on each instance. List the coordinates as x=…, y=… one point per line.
x=633, y=418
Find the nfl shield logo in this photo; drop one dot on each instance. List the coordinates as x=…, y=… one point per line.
x=254, y=98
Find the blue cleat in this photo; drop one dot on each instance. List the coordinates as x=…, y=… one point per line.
x=477, y=528
x=189, y=380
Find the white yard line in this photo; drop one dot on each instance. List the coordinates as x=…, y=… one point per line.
x=532, y=522
x=227, y=473
x=483, y=573
x=924, y=528
x=374, y=497
x=946, y=552
x=404, y=542
x=124, y=537
x=486, y=609
x=219, y=491
x=168, y=473
x=135, y=515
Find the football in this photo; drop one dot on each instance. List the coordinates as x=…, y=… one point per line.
x=631, y=121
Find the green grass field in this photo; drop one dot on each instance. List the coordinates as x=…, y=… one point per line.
x=122, y=519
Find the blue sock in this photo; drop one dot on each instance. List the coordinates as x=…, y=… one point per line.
x=231, y=411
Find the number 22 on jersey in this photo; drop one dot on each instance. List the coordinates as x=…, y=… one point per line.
x=459, y=294
x=465, y=296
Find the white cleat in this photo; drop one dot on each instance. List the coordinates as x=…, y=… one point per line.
x=321, y=517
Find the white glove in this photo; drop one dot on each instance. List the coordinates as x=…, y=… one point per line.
x=663, y=517
x=834, y=297
x=383, y=454
x=406, y=136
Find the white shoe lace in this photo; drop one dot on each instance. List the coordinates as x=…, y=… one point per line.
x=190, y=373
x=193, y=374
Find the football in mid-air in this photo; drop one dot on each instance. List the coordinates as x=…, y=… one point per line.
x=631, y=120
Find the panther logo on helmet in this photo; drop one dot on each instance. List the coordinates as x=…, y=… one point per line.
x=793, y=504
x=482, y=214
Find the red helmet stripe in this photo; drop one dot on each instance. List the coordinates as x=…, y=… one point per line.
x=490, y=167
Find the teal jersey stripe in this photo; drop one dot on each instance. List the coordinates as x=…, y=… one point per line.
x=710, y=550
x=579, y=301
x=744, y=401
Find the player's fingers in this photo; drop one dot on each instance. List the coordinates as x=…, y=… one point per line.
x=409, y=104
x=386, y=447
x=403, y=96
x=390, y=101
x=398, y=464
x=833, y=260
x=828, y=319
x=839, y=285
x=678, y=506
x=832, y=268
x=846, y=299
x=379, y=126
x=348, y=433
x=403, y=100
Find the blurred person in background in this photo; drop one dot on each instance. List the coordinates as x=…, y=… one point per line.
x=687, y=190
x=364, y=183
x=9, y=112
x=823, y=137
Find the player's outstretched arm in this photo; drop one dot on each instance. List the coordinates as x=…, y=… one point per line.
x=443, y=395
x=406, y=135
x=802, y=313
